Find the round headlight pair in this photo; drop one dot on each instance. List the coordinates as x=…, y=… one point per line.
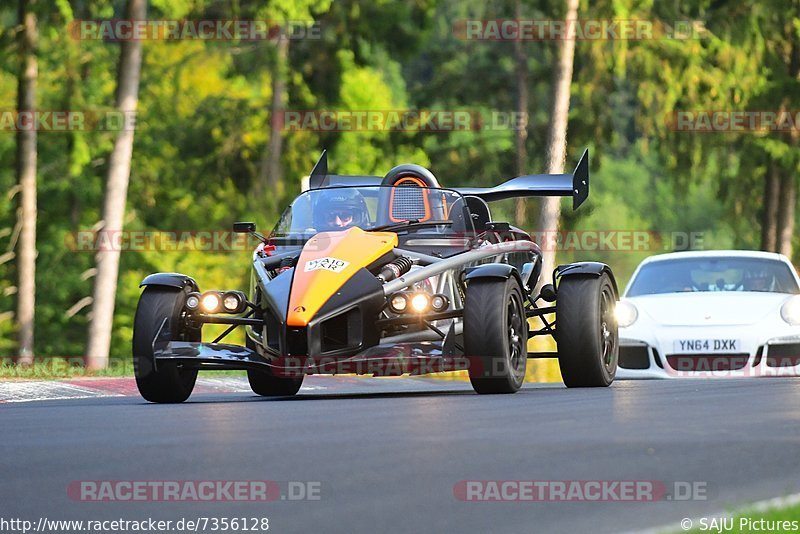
x=417, y=302
x=216, y=302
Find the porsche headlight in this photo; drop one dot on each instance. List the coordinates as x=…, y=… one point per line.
x=626, y=313
x=790, y=311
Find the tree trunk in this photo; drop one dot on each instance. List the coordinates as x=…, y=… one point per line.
x=119, y=167
x=521, y=58
x=788, y=194
x=557, y=136
x=769, y=219
x=26, y=175
x=786, y=212
x=269, y=173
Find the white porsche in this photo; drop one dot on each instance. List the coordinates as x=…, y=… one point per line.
x=710, y=314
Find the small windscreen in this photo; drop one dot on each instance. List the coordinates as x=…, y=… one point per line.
x=333, y=209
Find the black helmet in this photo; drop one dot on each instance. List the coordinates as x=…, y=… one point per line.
x=339, y=209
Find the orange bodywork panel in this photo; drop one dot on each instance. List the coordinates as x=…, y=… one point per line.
x=327, y=261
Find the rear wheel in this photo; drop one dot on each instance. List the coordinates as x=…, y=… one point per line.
x=586, y=331
x=166, y=383
x=495, y=335
x=265, y=384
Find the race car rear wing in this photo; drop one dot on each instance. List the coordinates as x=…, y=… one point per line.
x=575, y=185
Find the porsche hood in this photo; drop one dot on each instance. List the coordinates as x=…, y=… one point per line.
x=710, y=309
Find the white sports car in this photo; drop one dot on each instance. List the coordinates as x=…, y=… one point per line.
x=710, y=314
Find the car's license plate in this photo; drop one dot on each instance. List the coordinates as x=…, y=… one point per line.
x=687, y=346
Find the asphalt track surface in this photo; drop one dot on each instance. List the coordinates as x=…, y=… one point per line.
x=388, y=452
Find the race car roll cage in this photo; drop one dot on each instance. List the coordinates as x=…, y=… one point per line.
x=224, y=356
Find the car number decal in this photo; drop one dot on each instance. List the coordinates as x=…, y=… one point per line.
x=329, y=264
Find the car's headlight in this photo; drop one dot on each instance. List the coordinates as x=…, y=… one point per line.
x=626, y=313
x=790, y=311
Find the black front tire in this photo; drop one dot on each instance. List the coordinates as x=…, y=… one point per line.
x=265, y=384
x=495, y=335
x=169, y=383
x=586, y=331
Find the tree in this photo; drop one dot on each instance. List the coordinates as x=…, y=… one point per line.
x=786, y=213
x=269, y=172
x=119, y=168
x=521, y=133
x=769, y=31
x=26, y=175
x=285, y=12
x=556, y=147
x=769, y=218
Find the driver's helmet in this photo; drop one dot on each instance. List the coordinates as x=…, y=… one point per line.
x=677, y=281
x=757, y=281
x=340, y=209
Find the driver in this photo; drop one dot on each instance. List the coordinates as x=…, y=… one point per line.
x=757, y=281
x=677, y=282
x=340, y=209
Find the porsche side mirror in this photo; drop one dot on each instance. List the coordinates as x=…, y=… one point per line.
x=244, y=227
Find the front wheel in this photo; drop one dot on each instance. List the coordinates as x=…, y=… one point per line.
x=586, y=331
x=265, y=384
x=495, y=335
x=166, y=383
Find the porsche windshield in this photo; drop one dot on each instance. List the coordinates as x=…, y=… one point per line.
x=403, y=208
x=713, y=274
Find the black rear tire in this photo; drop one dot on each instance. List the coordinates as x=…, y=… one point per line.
x=169, y=383
x=586, y=331
x=265, y=384
x=495, y=335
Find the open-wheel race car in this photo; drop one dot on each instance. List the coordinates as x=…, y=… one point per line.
x=386, y=276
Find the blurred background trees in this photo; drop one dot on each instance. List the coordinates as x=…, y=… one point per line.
x=208, y=149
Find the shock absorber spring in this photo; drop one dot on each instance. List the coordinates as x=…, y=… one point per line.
x=395, y=269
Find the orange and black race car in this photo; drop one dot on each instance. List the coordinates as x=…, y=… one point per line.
x=386, y=276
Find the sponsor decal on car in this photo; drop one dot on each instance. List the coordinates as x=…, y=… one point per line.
x=329, y=264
